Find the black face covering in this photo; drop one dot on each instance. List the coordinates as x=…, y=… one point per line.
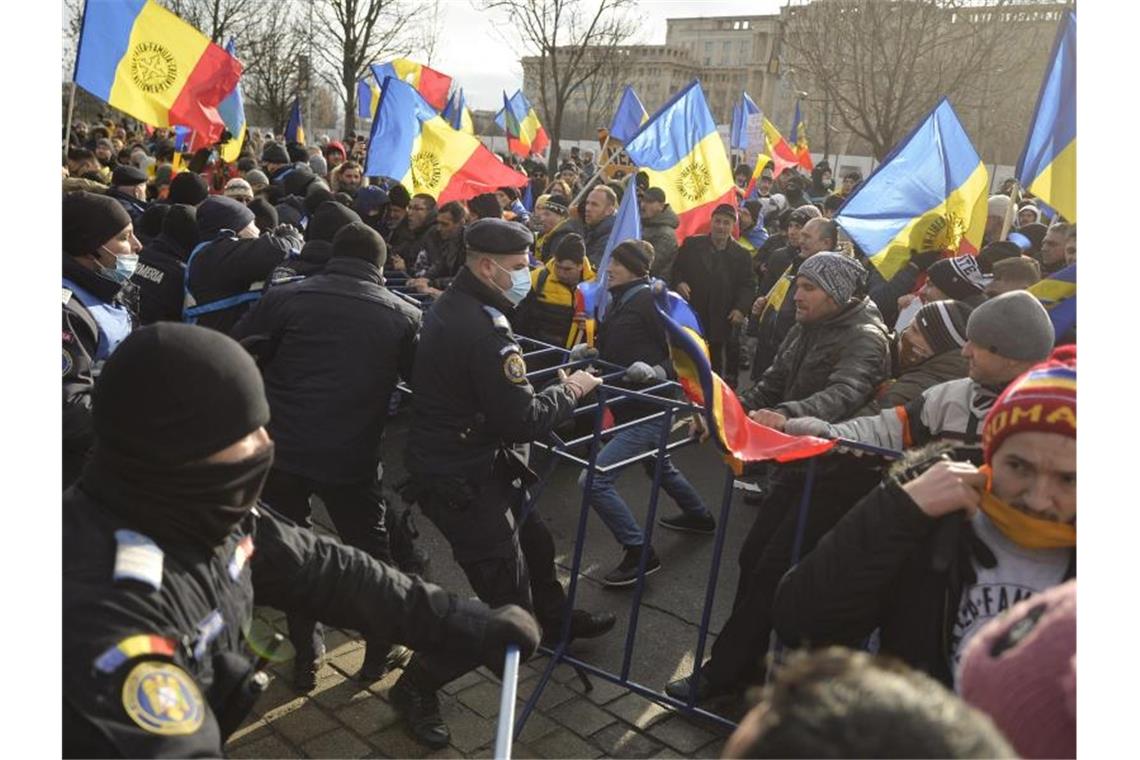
x=195, y=504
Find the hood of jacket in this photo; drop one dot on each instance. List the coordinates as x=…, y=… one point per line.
x=667, y=218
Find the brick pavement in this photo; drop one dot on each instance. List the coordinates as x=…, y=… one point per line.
x=344, y=718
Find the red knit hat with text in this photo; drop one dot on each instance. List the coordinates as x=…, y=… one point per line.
x=1043, y=399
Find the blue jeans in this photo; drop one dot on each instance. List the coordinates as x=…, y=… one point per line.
x=607, y=502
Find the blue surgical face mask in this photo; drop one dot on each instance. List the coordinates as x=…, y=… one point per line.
x=520, y=284
x=125, y=264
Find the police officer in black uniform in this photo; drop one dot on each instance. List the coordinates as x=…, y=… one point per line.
x=471, y=401
x=165, y=556
x=227, y=270
x=100, y=307
x=161, y=273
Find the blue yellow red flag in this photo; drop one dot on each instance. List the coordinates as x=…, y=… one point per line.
x=412, y=143
x=682, y=153
x=232, y=111
x=525, y=134
x=295, y=128
x=1048, y=164
x=739, y=437
x=431, y=84
x=1058, y=294
x=629, y=116
x=592, y=297
x=457, y=114
x=738, y=129
x=147, y=62
x=367, y=97
x=799, y=140
x=929, y=193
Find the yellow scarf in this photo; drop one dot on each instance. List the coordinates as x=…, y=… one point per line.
x=1023, y=529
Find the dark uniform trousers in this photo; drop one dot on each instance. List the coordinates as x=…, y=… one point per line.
x=504, y=562
x=357, y=512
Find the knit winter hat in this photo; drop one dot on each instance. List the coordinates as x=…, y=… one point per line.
x=1021, y=670
x=356, y=240
x=369, y=200
x=263, y=213
x=959, y=277
x=149, y=225
x=559, y=204
x=634, y=255
x=1042, y=399
x=90, y=220
x=1014, y=325
x=997, y=205
x=239, y=189
x=328, y=220
x=188, y=188
x=219, y=213
x=838, y=275
x=399, y=196
x=256, y=179
x=943, y=324
x=274, y=153
x=181, y=227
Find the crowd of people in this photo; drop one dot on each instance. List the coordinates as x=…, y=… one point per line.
x=251, y=309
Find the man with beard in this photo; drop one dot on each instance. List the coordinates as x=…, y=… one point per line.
x=166, y=551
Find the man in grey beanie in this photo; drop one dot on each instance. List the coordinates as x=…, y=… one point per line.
x=1005, y=336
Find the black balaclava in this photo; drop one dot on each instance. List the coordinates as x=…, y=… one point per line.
x=170, y=396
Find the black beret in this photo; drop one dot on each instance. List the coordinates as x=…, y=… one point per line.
x=497, y=236
x=126, y=175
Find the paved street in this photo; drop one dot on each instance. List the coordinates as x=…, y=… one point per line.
x=344, y=718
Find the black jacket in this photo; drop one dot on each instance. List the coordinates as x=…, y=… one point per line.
x=133, y=206
x=827, y=369
x=595, y=237
x=310, y=261
x=234, y=267
x=161, y=280
x=885, y=565
x=471, y=397
x=632, y=332
x=720, y=281
x=196, y=618
x=331, y=347
x=445, y=257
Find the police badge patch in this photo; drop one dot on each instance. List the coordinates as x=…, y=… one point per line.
x=162, y=699
x=514, y=368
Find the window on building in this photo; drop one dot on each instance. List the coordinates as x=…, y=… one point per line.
x=744, y=24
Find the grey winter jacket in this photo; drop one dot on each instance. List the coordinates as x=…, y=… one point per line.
x=827, y=369
x=661, y=233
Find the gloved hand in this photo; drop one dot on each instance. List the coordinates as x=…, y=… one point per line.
x=582, y=351
x=923, y=259
x=808, y=426
x=291, y=234
x=580, y=382
x=509, y=624
x=641, y=372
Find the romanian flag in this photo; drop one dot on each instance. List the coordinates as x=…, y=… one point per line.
x=929, y=193
x=457, y=114
x=783, y=155
x=799, y=139
x=295, y=129
x=145, y=61
x=741, y=439
x=681, y=151
x=1058, y=294
x=525, y=134
x=412, y=143
x=232, y=110
x=592, y=298
x=1048, y=165
x=629, y=116
x=367, y=97
x=430, y=83
x=738, y=130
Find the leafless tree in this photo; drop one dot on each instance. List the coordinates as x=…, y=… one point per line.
x=271, y=55
x=220, y=19
x=882, y=64
x=352, y=34
x=573, y=40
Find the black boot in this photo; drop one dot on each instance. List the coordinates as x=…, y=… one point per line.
x=379, y=658
x=305, y=667
x=420, y=709
x=625, y=574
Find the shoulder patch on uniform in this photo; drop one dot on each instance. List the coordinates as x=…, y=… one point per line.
x=138, y=559
x=161, y=698
x=66, y=296
x=514, y=367
x=132, y=647
x=68, y=362
x=242, y=552
x=497, y=318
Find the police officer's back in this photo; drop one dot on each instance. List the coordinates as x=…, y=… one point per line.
x=164, y=552
x=161, y=273
x=99, y=308
x=227, y=271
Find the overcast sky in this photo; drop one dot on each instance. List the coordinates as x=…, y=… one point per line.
x=471, y=48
